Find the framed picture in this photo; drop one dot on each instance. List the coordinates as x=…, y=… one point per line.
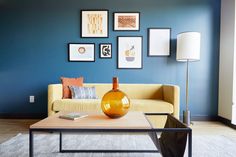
x=94, y=23
x=159, y=41
x=129, y=52
x=105, y=50
x=129, y=21
x=82, y=52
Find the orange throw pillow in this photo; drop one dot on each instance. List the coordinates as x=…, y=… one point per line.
x=66, y=82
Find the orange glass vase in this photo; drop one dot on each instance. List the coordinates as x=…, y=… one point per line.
x=115, y=103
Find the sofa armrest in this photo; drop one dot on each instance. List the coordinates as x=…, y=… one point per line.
x=54, y=93
x=171, y=94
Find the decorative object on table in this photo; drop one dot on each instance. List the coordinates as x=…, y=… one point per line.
x=115, y=103
x=129, y=52
x=159, y=41
x=105, y=50
x=78, y=92
x=94, y=23
x=73, y=116
x=188, y=49
x=66, y=82
x=126, y=21
x=82, y=52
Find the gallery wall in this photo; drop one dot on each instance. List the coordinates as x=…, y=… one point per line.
x=33, y=50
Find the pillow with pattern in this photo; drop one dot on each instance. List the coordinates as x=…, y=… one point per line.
x=78, y=92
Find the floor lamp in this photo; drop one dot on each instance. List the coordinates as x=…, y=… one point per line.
x=188, y=49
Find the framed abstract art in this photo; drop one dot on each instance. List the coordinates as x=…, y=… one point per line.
x=105, y=50
x=126, y=21
x=94, y=23
x=81, y=52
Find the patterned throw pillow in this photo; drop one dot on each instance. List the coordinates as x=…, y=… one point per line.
x=83, y=92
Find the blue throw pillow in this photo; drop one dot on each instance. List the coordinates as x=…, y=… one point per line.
x=83, y=92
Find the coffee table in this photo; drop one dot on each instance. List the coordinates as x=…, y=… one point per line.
x=172, y=139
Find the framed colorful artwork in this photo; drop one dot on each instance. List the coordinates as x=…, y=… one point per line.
x=159, y=41
x=105, y=50
x=81, y=52
x=129, y=21
x=94, y=23
x=129, y=52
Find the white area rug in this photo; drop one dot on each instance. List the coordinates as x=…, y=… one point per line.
x=47, y=145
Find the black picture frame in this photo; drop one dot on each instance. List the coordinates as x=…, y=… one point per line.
x=75, y=54
x=82, y=29
x=101, y=54
x=149, y=42
x=126, y=29
x=141, y=52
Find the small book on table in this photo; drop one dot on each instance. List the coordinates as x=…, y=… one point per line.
x=73, y=116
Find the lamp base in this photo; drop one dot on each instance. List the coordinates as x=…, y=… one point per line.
x=186, y=117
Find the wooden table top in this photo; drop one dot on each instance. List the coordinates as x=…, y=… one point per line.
x=132, y=120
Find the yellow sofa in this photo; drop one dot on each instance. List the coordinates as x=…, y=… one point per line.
x=147, y=98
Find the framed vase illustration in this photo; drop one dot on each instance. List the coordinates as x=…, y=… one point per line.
x=129, y=52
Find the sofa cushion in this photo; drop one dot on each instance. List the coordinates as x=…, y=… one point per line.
x=86, y=105
x=151, y=105
x=82, y=105
x=66, y=82
x=83, y=92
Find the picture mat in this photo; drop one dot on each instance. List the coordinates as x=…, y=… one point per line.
x=159, y=42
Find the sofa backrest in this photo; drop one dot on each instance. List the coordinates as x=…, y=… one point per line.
x=134, y=91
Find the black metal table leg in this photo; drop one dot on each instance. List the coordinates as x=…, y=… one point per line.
x=60, y=142
x=155, y=140
x=190, y=143
x=31, y=143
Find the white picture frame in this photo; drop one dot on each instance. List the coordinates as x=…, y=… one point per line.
x=94, y=24
x=129, y=52
x=81, y=52
x=159, y=41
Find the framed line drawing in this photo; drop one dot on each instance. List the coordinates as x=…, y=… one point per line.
x=159, y=41
x=129, y=52
x=105, y=50
x=94, y=24
x=81, y=52
x=126, y=21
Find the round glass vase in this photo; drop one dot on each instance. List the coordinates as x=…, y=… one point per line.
x=115, y=103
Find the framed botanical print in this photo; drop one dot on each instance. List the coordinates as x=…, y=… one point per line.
x=94, y=23
x=81, y=52
x=105, y=50
x=129, y=52
x=159, y=41
x=129, y=21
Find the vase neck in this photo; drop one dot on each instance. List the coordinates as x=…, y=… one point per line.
x=115, y=83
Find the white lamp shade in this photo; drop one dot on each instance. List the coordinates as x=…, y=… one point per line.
x=188, y=46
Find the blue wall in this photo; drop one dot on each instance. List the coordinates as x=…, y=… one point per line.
x=33, y=49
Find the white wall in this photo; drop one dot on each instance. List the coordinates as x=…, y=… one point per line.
x=226, y=68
